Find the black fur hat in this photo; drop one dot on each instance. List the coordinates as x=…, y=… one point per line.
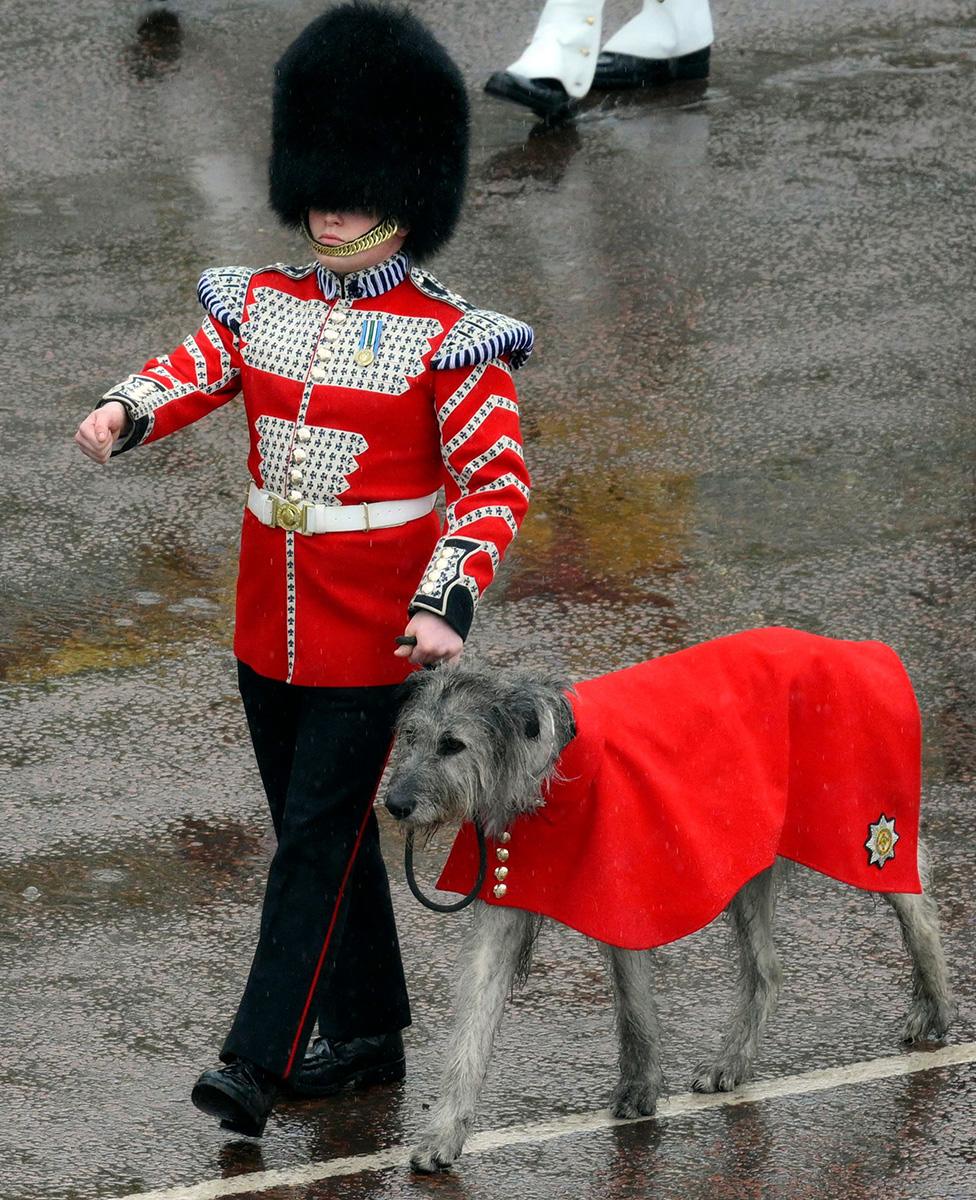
x=370, y=114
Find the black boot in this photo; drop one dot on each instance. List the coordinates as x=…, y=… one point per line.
x=628, y=71
x=547, y=98
x=240, y=1095
x=329, y=1066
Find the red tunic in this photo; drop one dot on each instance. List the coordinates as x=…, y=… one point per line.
x=433, y=407
x=691, y=773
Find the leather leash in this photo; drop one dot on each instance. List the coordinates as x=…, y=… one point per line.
x=434, y=905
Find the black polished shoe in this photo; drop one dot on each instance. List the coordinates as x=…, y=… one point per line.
x=240, y=1095
x=547, y=98
x=615, y=71
x=329, y=1066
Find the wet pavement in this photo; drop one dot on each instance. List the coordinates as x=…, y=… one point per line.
x=751, y=404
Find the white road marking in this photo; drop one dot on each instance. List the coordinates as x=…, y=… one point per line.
x=685, y=1105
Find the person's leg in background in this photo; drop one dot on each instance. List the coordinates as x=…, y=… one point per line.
x=667, y=40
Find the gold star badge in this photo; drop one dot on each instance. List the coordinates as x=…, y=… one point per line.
x=881, y=843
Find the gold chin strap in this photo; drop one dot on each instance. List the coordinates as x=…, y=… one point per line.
x=372, y=237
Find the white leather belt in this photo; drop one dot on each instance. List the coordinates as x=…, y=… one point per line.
x=305, y=517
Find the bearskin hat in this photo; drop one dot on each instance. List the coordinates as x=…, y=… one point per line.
x=370, y=114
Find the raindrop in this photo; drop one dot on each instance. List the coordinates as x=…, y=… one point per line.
x=108, y=875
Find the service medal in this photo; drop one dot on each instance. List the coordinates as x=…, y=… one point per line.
x=369, y=341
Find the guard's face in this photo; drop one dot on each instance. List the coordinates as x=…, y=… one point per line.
x=334, y=228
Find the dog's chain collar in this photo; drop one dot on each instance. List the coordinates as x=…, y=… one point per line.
x=433, y=905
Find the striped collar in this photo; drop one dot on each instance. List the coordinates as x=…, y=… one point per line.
x=372, y=281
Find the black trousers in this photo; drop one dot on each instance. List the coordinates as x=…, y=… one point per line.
x=328, y=947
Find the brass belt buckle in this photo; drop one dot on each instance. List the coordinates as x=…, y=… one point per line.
x=293, y=518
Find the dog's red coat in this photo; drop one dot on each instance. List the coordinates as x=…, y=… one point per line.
x=691, y=773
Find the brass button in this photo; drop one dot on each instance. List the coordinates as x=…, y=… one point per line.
x=299, y=455
x=318, y=374
x=499, y=889
x=294, y=496
x=304, y=435
x=506, y=837
x=330, y=335
x=585, y=52
x=296, y=476
x=591, y=20
x=501, y=873
x=338, y=316
x=501, y=855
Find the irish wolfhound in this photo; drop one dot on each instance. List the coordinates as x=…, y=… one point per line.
x=481, y=745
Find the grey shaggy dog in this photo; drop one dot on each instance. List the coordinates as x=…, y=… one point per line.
x=478, y=744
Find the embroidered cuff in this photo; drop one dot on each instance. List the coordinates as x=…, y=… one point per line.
x=139, y=426
x=446, y=589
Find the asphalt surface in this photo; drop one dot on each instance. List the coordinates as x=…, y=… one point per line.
x=751, y=404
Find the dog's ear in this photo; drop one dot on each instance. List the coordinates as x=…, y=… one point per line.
x=523, y=709
x=412, y=685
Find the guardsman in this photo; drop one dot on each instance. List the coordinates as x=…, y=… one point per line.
x=368, y=387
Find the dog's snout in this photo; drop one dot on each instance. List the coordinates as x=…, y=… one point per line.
x=399, y=804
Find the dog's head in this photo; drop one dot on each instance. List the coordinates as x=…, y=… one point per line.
x=473, y=743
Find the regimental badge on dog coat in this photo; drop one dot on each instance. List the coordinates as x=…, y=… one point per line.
x=691, y=773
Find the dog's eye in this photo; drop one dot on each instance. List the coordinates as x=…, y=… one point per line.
x=449, y=745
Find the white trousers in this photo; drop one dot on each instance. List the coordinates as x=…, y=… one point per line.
x=567, y=38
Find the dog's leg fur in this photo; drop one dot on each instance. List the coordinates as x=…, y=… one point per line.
x=638, y=1032
x=751, y=911
x=932, y=1008
x=496, y=944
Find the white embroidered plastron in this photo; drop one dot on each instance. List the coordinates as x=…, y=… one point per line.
x=399, y=355
x=330, y=459
x=280, y=333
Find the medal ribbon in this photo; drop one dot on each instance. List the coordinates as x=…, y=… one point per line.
x=369, y=340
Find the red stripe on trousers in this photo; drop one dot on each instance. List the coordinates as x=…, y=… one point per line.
x=335, y=917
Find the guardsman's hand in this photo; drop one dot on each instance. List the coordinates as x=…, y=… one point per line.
x=436, y=640
x=99, y=430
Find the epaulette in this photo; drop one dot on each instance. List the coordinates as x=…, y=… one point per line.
x=223, y=290
x=480, y=335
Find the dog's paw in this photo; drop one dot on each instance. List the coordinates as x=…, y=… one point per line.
x=928, y=1021
x=436, y=1152
x=719, y=1077
x=427, y=1161
x=634, y=1098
